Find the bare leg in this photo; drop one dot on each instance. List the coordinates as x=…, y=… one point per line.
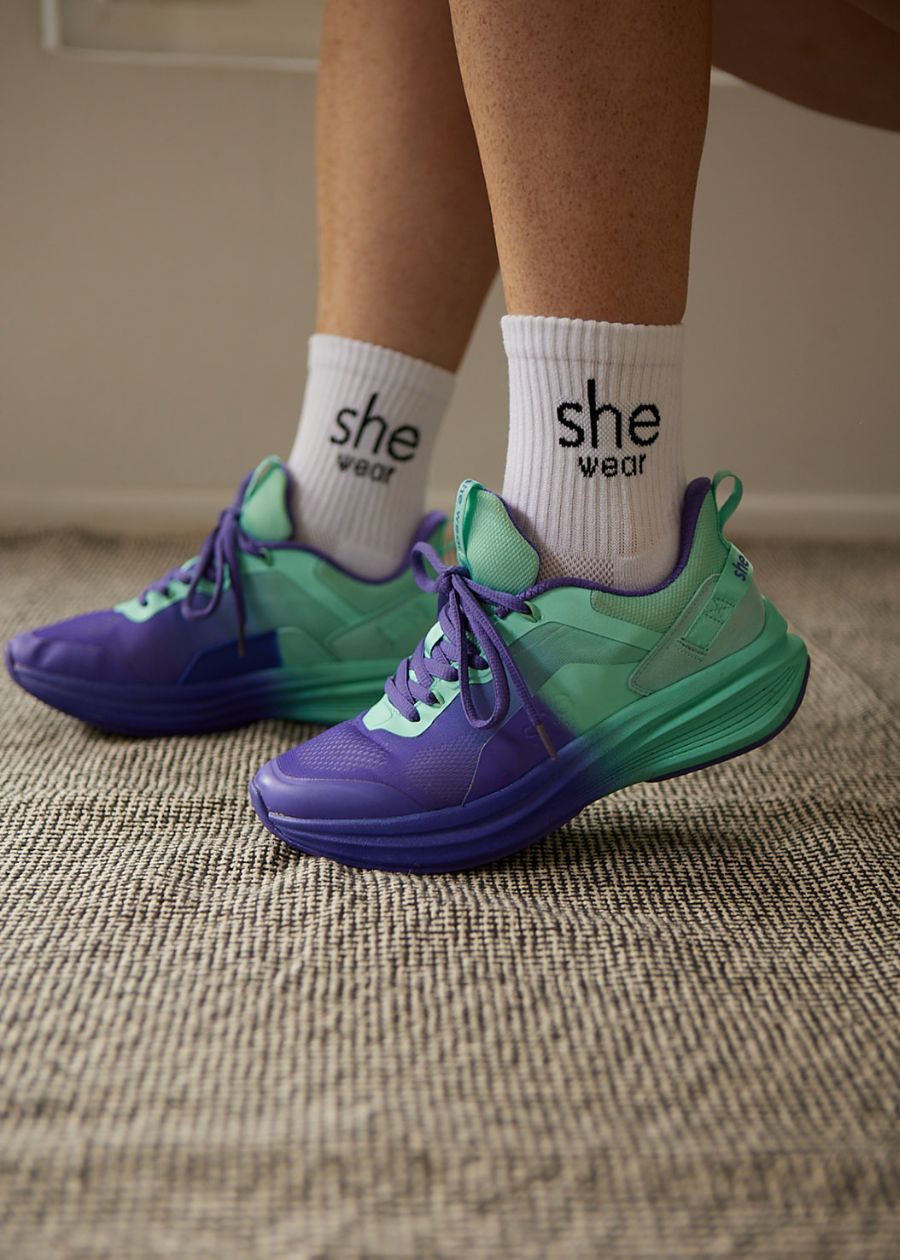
x=590, y=118
x=406, y=248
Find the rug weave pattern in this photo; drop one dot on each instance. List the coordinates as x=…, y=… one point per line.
x=670, y=1030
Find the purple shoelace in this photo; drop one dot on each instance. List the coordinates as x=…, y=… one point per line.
x=470, y=641
x=218, y=557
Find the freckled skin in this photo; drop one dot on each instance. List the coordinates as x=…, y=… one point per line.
x=590, y=119
x=406, y=247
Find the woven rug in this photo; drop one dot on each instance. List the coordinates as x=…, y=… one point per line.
x=670, y=1030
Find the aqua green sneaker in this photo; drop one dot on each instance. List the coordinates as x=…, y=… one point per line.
x=528, y=700
x=256, y=626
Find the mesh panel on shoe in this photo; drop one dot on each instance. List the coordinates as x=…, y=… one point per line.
x=264, y=513
x=495, y=552
x=585, y=568
x=659, y=610
x=436, y=766
x=341, y=749
x=447, y=766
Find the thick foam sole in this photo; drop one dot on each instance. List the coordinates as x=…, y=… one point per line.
x=727, y=709
x=198, y=708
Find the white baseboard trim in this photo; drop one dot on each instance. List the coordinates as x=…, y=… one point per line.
x=804, y=515
x=819, y=515
x=106, y=511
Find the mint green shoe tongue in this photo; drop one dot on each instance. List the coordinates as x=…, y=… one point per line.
x=265, y=513
x=489, y=544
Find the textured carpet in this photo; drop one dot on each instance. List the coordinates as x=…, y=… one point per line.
x=670, y=1030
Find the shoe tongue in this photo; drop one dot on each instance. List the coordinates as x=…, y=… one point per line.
x=266, y=512
x=489, y=544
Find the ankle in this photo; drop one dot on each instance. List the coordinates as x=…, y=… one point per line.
x=368, y=426
x=594, y=463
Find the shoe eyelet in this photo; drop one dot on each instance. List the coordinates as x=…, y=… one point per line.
x=266, y=556
x=532, y=612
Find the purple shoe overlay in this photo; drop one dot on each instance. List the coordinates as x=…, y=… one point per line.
x=207, y=661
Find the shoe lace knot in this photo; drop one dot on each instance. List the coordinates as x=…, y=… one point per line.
x=217, y=561
x=470, y=639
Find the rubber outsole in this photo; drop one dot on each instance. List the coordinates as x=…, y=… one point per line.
x=545, y=799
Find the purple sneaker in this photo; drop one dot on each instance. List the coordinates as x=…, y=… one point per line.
x=255, y=626
x=528, y=700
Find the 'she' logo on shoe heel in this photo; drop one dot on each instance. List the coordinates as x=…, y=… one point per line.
x=741, y=568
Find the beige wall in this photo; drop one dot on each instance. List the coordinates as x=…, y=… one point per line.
x=158, y=270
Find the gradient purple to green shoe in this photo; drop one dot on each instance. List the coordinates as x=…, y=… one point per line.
x=255, y=626
x=526, y=701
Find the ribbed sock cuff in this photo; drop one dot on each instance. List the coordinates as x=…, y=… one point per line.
x=593, y=468
x=547, y=337
x=390, y=368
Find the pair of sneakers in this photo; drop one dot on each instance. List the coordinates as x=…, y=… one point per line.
x=523, y=702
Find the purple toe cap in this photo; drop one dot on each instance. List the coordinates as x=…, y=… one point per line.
x=324, y=798
x=23, y=650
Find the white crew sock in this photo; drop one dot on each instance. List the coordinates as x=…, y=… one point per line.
x=369, y=420
x=594, y=467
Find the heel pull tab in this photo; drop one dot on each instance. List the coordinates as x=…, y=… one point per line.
x=726, y=510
